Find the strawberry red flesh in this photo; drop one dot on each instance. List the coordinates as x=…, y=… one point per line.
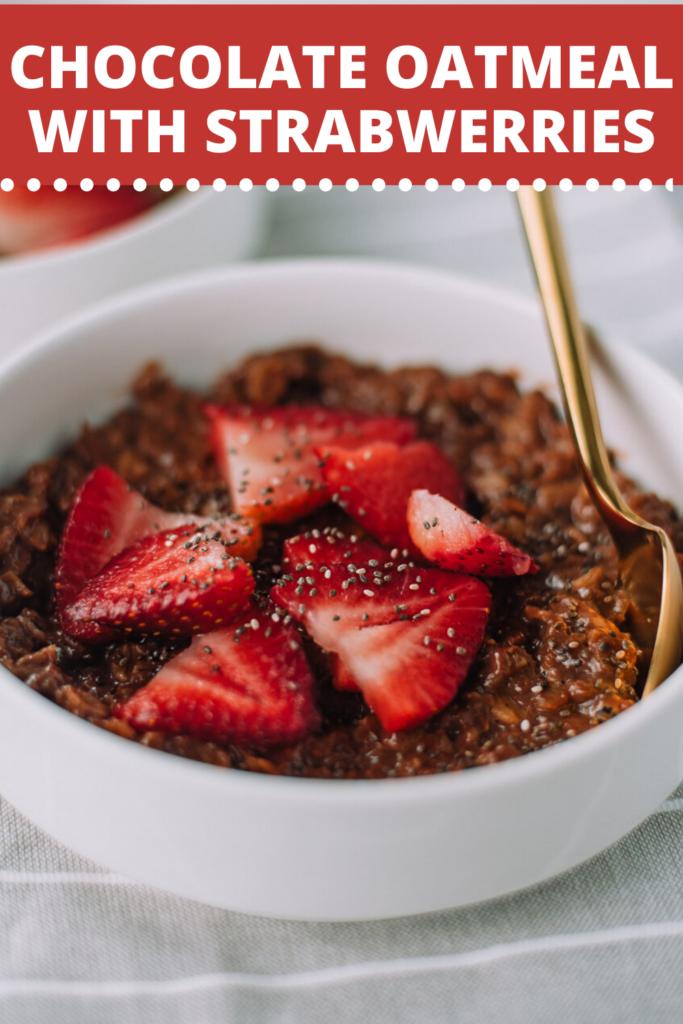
x=451, y=538
x=108, y=516
x=239, y=684
x=329, y=548
x=267, y=455
x=175, y=583
x=341, y=677
x=374, y=482
x=405, y=636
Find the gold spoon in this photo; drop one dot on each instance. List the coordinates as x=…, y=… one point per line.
x=648, y=567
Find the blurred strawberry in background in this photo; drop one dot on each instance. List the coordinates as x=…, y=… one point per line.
x=38, y=220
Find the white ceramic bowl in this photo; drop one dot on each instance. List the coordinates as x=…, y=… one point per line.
x=306, y=848
x=186, y=232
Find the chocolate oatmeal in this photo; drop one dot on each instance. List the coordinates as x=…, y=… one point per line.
x=556, y=657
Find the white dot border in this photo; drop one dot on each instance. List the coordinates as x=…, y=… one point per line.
x=592, y=184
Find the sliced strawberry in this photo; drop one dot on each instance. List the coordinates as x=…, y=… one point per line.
x=267, y=455
x=453, y=539
x=374, y=482
x=316, y=546
x=174, y=583
x=108, y=516
x=249, y=682
x=301, y=553
x=36, y=220
x=406, y=636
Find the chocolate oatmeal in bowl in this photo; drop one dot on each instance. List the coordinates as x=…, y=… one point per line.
x=322, y=568
x=319, y=775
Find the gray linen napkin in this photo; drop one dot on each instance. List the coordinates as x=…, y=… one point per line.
x=602, y=944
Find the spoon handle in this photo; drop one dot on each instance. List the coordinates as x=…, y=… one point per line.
x=571, y=351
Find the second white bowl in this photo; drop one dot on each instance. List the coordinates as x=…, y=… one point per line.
x=185, y=232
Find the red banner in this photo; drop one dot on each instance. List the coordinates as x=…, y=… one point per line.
x=341, y=92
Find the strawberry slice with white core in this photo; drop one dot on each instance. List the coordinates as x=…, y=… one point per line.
x=405, y=636
x=107, y=516
x=249, y=682
x=374, y=482
x=267, y=455
x=451, y=538
x=325, y=548
x=175, y=583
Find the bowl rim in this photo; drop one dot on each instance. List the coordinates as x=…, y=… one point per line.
x=104, y=239
x=500, y=775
